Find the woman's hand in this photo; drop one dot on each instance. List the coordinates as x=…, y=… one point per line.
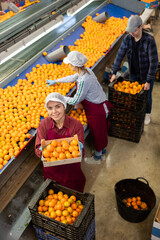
x=50, y=82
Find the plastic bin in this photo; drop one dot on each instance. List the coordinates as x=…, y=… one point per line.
x=42, y=235
x=129, y=134
x=131, y=188
x=132, y=102
x=78, y=229
x=126, y=118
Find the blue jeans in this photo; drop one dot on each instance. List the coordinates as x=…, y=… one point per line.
x=149, y=100
x=98, y=155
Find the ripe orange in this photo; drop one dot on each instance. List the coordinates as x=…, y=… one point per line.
x=55, y=154
x=46, y=203
x=60, y=193
x=75, y=153
x=65, y=146
x=74, y=206
x=53, y=214
x=40, y=209
x=70, y=210
x=73, y=197
x=67, y=204
x=74, y=142
x=69, y=219
x=71, y=148
x=41, y=203
x=62, y=156
x=54, y=143
x=46, y=153
x=50, y=148
x=45, y=208
x=65, y=213
x=75, y=214
x=69, y=155
x=44, y=53
x=59, y=213
x=66, y=196
x=59, y=149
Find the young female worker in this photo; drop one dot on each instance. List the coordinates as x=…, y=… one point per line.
x=60, y=125
x=91, y=95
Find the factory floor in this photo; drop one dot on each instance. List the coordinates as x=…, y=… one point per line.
x=124, y=159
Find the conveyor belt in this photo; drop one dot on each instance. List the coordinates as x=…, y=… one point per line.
x=30, y=55
x=31, y=15
x=21, y=61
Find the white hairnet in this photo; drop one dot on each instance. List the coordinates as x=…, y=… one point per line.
x=76, y=59
x=56, y=97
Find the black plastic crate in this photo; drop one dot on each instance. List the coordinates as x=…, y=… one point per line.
x=78, y=229
x=126, y=119
x=43, y=235
x=133, y=102
x=130, y=134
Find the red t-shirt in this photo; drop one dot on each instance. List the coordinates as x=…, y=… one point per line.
x=74, y=126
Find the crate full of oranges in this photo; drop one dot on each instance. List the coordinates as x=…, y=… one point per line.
x=61, y=211
x=127, y=94
x=60, y=151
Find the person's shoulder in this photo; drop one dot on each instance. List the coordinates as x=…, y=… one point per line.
x=127, y=37
x=45, y=121
x=148, y=35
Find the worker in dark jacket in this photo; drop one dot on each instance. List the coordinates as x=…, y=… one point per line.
x=142, y=56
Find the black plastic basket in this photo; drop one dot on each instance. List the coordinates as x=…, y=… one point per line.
x=133, y=102
x=131, y=188
x=126, y=118
x=43, y=235
x=131, y=134
x=78, y=229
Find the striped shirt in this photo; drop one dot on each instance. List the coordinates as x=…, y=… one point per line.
x=88, y=88
x=148, y=56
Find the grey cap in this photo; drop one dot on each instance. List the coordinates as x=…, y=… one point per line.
x=133, y=23
x=56, y=97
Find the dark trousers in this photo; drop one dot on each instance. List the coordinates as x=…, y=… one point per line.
x=149, y=100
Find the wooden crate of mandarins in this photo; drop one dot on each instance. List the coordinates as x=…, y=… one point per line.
x=60, y=151
x=62, y=212
x=127, y=94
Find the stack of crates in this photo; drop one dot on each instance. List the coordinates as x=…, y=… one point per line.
x=128, y=113
x=49, y=229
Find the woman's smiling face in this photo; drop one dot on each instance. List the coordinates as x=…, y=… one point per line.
x=55, y=110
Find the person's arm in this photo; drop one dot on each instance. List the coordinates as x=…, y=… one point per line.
x=41, y=134
x=153, y=61
x=71, y=78
x=80, y=94
x=120, y=55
